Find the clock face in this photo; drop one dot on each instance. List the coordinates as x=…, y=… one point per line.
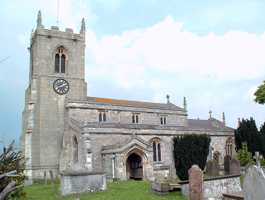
x=61, y=86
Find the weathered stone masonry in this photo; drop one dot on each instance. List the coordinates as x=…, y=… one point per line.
x=63, y=132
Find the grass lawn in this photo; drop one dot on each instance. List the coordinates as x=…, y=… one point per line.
x=123, y=190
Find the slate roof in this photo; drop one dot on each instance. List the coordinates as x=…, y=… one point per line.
x=210, y=124
x=136, y=104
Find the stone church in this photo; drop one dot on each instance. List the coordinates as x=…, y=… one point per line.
x=64, y=129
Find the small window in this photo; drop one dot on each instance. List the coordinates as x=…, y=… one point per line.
x=156, y=150
x=135, y=118
x=102, y=117
x=75, y=149
x=60, y=60
x=163, y=120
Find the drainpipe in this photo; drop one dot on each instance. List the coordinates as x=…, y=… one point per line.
x=113, y=165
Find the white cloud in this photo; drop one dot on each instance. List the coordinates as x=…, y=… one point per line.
x=167, y=47
x=166, y=58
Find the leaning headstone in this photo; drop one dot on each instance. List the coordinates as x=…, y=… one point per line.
x=212, y=168
x=195, y=183
x=227, y=160
x=254, y=183
x=234, y=166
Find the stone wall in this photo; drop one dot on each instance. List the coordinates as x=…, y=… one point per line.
x=214, y=188
x=43, y=116
x=123, y=115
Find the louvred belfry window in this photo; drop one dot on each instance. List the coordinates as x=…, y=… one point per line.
x=60, y=60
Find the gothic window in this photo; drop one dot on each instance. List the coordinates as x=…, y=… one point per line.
x=135, y=118
x=60, y=60
x=163, y=120
x=75, y=149
x=102, y=117
x=156, y=150
x=229, y=146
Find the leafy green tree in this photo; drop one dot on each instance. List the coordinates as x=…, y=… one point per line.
x=190, y=150
x=248, y=133
x=260, y=94
x=244, y=156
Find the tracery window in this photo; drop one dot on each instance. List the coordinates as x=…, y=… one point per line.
x=60, y=60
x=156, y=150
x=229, y=146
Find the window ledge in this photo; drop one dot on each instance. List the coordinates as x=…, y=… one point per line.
x=158, y=163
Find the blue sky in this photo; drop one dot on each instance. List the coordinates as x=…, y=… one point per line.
x=212, y=52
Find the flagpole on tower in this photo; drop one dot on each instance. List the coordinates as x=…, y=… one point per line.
x=58, y=10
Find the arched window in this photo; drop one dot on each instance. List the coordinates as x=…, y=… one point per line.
x=156, y=150
x=75, y=149
x=60, y=60
x=229, y=146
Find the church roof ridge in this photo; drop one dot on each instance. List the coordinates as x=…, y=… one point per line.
x=208, y=124
x=134, y=103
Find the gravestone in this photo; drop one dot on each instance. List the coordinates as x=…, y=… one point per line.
x=195, y=183
x=227, y=160
x=254, y=183
x=234, y=166
x=212, y=168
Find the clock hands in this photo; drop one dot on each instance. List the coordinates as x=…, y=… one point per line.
x=61, y=86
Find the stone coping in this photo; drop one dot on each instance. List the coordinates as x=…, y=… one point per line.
x=236, y=196
x=161, y=167
x=214, y=178
x=80, y=173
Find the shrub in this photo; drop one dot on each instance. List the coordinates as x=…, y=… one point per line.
x=190, y=150
x=244, y=156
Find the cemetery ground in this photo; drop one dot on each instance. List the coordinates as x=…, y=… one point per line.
x=129, y=190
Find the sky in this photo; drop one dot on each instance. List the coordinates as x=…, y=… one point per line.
x=211, y=52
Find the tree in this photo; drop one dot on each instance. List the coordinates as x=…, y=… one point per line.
x=11, y=173
x=190, y=150
x=260, y=94
x=262, y=140
x=244, y=156
x=248, y=133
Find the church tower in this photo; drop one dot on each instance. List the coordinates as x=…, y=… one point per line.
x=57, y=73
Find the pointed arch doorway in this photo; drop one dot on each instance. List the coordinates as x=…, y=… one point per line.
x=134, y=166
